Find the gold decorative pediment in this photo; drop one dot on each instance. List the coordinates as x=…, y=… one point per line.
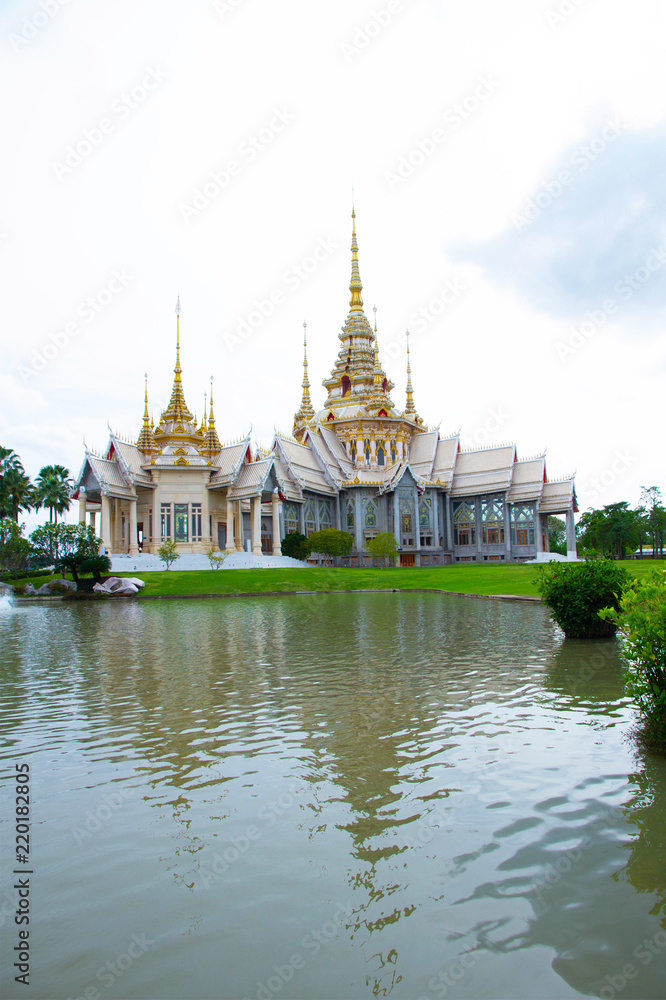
x=181, y=461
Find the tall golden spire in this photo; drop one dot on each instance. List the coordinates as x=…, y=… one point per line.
x=212, y=442
x=146, y=440
x=177, y=409
x=355, y=286
x=409, y=409
x=307, y=409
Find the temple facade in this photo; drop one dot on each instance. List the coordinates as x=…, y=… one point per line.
x=360, y=464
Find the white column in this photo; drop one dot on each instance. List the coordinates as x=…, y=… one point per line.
x=275, y=503
x=82, y=509
x=206, y=531
x=538, y=525
x=238, y=534
x=93, y=520
x=106, y=524
x=255, y=506
x=133, y=540
x=571, y=535
x=230, y=526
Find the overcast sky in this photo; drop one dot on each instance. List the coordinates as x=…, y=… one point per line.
x=507, y=158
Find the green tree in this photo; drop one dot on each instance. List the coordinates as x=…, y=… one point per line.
x=78, y=551
x=167, y=552
x=53, y=490
x=16, y=491
x=15, y=550
x=610, y=531
x=620, y=528
x=383, y=546
x=557, y=535
x=330, y=542
x=577, y=592
x=651, y=500
x=295, y=545
x=641, y=620
x=53, y=540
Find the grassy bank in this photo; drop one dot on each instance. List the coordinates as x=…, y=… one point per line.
x=468, y=578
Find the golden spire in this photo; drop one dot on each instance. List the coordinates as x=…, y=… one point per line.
x=355, y=286
x=409, y=409
x=307, y=410
x=146, y=440
x=204, y=421
x=177, y=409
x=212, y=442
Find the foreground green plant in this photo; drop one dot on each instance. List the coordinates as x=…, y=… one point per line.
x=641, y=621
x=577, y=592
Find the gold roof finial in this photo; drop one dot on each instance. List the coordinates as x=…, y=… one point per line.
x=177, y=409
x=212, y=443
x=355, y=286
x=146, y=440
x=410, y=391
x=306, y=410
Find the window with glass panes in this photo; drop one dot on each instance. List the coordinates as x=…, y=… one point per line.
x=464, y=523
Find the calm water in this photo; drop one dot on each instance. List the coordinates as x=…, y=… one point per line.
x=339, y=796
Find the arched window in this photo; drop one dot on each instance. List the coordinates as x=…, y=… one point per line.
x=369, y=513
x=346, y=385
x=381, y=454
x=290, y=518
x=350, y=515
x=522, y=525
x=366, y=447
x=464, y=523
x=394, y=452
x=310, y=517
x=352, y=451
x=492, y=517
x=324, y=514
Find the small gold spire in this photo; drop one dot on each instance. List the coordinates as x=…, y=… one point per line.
x=410, y=409
x=355, y=286
x=212, y=443
x=146, y=440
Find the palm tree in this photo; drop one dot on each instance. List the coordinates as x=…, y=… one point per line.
x=16, y=491
x=54, y=489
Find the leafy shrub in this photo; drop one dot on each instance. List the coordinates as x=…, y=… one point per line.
x=330, y=542
x=167, y=552
x=577, y=592
x=295, y=545
x=641, y=620
x=383, y=546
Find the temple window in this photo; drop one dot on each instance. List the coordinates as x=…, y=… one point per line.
x=522, y=525
x=196, y=522
x=180, y=521
x=464, y=523
x=346, y=385
x=351, y=520
x=492, y=518
x=369, y=513
x=324, y=514
x=394, y=452
x=381, y=453
x=352, y=452
x=310, y=517
x=290, y=518
x=366, y=446
x=166, y=520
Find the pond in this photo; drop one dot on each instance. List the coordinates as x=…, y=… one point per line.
x=336, y=796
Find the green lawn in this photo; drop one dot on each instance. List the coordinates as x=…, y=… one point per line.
x=467, y=578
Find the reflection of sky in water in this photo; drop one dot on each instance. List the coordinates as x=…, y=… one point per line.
x=386, y=785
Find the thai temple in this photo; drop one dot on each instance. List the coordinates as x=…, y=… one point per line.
x=360, y=464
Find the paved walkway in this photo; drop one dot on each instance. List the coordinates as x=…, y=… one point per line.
x=199, y=561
